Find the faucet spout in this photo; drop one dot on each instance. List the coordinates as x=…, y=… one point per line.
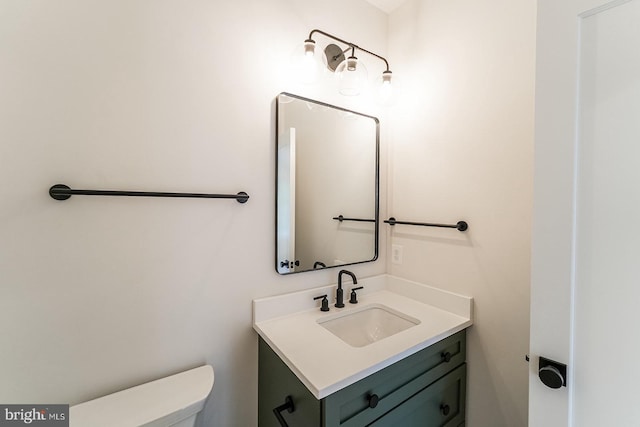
x=340, y=292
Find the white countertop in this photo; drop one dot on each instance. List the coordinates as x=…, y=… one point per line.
x=323, y=362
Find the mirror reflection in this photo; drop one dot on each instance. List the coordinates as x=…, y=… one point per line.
x=327, y=185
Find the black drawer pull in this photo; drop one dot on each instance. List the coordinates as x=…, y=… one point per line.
x=373, y=400
x=444, y=409
x=446, y=357
x=288, y=405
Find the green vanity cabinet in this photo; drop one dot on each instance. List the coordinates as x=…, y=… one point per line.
x=425, y=389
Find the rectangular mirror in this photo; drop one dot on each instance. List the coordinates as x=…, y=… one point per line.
x=327, y=184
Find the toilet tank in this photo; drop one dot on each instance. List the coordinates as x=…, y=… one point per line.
x=171, y=401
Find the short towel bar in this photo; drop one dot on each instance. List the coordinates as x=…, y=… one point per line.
x=460, y=225
x=342, y=218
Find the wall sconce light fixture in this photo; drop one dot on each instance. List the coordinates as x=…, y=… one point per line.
x=350, y=72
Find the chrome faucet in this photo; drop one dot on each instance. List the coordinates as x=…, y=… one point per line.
x=340, y=292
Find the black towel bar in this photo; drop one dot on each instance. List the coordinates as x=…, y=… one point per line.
x=460, y=226
x=63, y=192
x=342, y=218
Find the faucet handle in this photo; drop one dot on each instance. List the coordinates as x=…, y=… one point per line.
x=325, y=302
x=354, y=297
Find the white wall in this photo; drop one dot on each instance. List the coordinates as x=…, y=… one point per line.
x=98, y=294
x=461, y=148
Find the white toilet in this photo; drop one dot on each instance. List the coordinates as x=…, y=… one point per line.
x=172, y=401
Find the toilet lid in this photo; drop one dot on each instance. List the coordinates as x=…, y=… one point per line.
x=158, y=403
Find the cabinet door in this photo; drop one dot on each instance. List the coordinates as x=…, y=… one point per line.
x=442, y=404
x=275, y=383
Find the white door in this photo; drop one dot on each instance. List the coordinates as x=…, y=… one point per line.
x=585, y=291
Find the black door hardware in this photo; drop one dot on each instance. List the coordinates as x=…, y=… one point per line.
x=553, y=374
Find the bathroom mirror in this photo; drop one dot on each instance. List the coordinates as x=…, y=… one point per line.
x=327, y=167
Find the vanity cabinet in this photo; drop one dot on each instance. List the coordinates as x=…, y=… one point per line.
x=425, y=389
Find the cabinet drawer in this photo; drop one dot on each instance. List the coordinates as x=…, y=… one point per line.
x=350, y=407
x=439, y=405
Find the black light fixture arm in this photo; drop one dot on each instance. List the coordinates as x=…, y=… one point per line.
x=352, y=46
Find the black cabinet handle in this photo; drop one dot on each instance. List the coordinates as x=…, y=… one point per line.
x=373, y=400
x=446, y=357
x=288, y=405
x=444, y=409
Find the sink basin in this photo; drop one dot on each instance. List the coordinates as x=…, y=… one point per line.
x=367, y=324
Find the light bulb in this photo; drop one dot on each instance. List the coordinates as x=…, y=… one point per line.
x=309, y=48
x=387, y=89
x=352, y=63
x=305, y=66
x=352, y=76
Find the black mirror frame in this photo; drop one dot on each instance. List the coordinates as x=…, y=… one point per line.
x=376, y=184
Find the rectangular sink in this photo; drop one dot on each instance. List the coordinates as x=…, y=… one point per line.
x=368, y=324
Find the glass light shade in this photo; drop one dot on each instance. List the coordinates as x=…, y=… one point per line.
x=305, y=63
x=352, y=76
x=387, y=89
